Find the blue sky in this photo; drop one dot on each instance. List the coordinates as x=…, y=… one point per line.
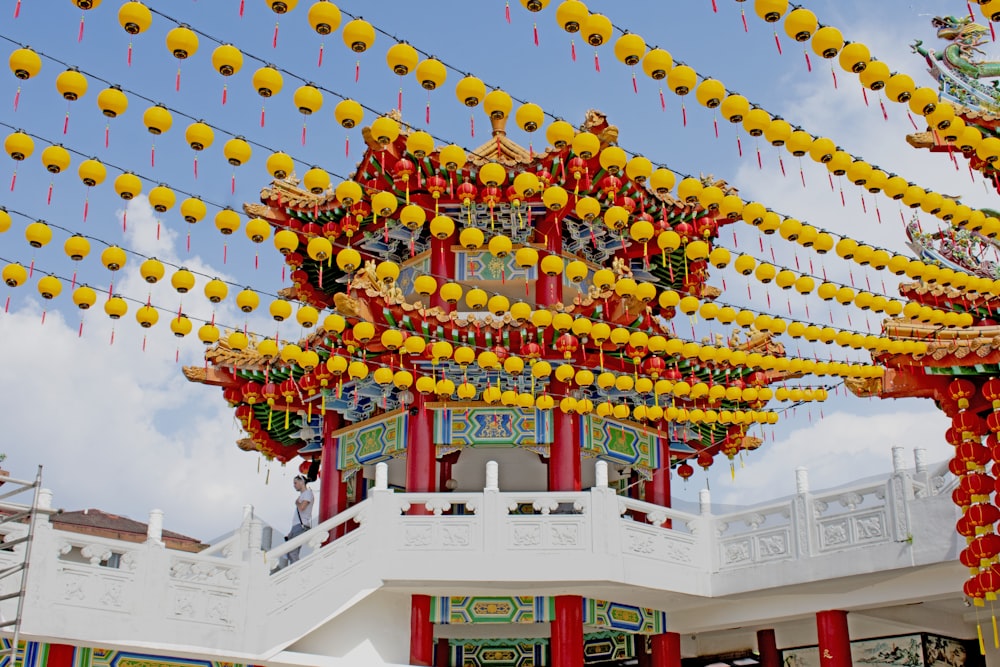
x=120, y=429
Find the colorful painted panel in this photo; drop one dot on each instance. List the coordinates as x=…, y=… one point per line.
x=623, y=617
x=408, y=273
x=482, y=265
x=501, y=609
x=526, y=609
x=34, y=654
x=373, y=442
x=913, y=650
x=500, y=653
x=492, y=427
x=616, y=441
x=598, y=647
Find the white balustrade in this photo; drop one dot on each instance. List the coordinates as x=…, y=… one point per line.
x=237, y=599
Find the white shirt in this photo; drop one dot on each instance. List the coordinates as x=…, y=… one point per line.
x=304, y=516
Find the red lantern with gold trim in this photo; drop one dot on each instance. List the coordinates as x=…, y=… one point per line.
x=961, y=391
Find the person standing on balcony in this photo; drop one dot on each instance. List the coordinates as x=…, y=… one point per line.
x=302, y=520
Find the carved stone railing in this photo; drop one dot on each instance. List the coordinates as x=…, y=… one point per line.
x=237, y=600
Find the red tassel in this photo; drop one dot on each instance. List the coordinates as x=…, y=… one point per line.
x=189, y=241
x=715, y=8
x=809, y=65
x=347, y=147
x=66, y=123
x=232, y=184
x=878, y=214
x=357, y=70
x=303, y=134
x=79, y=37
x=225, y=94
x=684, y=115
x=225, y=252
x=242, y=4
x=777, y=43
x=842, y=202
x=993, y=34
x=635, y=86
x=597, y=62
x=572, y=50
x=885, y=116
x=663, y=101
x=17, y=98
x=256, y=261
x=274, y=40
x=177, y=80
x=739, y=146
x=864, y=207
x=968, y=5
x=17, y=9
x=152, y=155
x=43, y=317
x=48, y=197
x=262, y=116
x=319, y=61
x=472, y=125
x=760, y=164
x=196, y=166
x=781, y=163
x=157, y=230
x=830, y=178
x=834, y=73
x=86, y=208
x=802, y=175
x=128, y=59
x=506, y=12
x=715, y=123
x=6, y=305
x=744, y=17
x=399, y=100
x=864, y=93
x=534, y=28
x=107, y=135
x=125, y=220
x=427, y=113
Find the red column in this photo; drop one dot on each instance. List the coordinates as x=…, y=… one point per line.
x=767, y=649
x=442, y=653
x=442, y=267
x=834, y=639
x=666, y=650
x=421, y=472
x=60, y=655
x=564, y=453
x=549, y=289
x=567, y=632
x=421, y=631
x=332, y=490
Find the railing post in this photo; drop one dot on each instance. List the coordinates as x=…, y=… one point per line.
x=381, y=476
x=803, y=518
x=154, y=529
x=899, y=494
x=601, y=474
x=921, y=474
x=605, y=519
x=706, y=529
x=492, y=513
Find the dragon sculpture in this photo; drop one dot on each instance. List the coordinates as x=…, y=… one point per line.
x=958, y=68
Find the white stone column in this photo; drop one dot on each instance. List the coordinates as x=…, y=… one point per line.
x=803, y=519
x=601, y=474
x=898, y=464
x=705, y=502
x=381, y=476
x=492, y=476
x=154, y=529
x=801, y=480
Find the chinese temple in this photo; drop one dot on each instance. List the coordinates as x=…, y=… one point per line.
x=503, y=359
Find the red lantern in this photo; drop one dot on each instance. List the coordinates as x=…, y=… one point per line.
x=964, y=528
x=684, y=471
x=705, y=459
x=982, y=514
x=989, y=582
x=531, y=350
x=304, y=467
x=685, y=231
x=294, y=260
x=973, y=454
x=953, y=437
x=961, y=391
x=403, y=171
x=610, y=185
x=331, y=230
x=957, y=467
x=244, y=413
x=984, y=547
x=705, y=227
x=323, y=375
x=568, y=344
x=466, y=193
x=654, y=367
x=977, y=484
x=251, y=393
x=969, y=560
x=991, y=392
x=969, y=424
x=308, y=382
x=993, y=422
x=311, y=229
x=972, y=589
x=577, y=168
x=492, y=195
x=544, y=177
x=961, y=497
x=270, y=393
x=501, y=352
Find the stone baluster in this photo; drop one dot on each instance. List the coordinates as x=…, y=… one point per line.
x=381, y=476
x=803, y=515
x=899, y=492
x=601, y=474
x=154, y=529
x=921, y=473
x=492, y=476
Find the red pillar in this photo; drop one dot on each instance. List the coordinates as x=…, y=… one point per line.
x=442, y=652
x=567, y=632
x=767, y=649
x=332, y=490
x=834, y=639
x=421, y=631
x=60, y=655
x=421, y=472
x=666, y=650
x=549, y=289
x=564, y=453
x=442, y=267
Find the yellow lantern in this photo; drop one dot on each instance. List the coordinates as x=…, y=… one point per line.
x=71, y=84
x=570, y=15
x=151, y=270
x=657, y=64
x=401, y=58
x=267, y=81
x=38, y=234
x=348, y=113
x=55, y=158
x=76, y=247
x=135, y=17
x=682, y=79
x=900, y=87
x=827, y=42
x=497, y=104
x=596, y=29
x=358, y=35
x=385, y=130
x=316, y=180
x=128, y=185
x=157, y=119
x=770, y=10
x=529, y=117
x=324, y=17
x=25, y=63
x=431, y=73
x=874, y=75
x=710, y=92
x=227, y=221
x=113, y=258
x=734, y=107
x=227, y=59
x=470, y=91
x=199, y=136
x=854, y=57
x=112, y=102
x=800, y=24
x=92, y=172
x=307, y=99
x=348, y=260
